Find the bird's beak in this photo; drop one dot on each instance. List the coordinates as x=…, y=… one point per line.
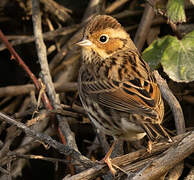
x=84, y=43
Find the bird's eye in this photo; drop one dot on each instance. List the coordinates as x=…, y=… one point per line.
x=104, y=38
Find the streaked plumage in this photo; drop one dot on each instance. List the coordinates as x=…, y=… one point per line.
x=116, y=86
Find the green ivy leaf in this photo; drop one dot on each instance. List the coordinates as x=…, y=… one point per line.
x=176, y=56
x=175, y=11
x=154, y=52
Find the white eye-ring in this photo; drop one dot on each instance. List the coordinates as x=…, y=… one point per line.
x=104, y=38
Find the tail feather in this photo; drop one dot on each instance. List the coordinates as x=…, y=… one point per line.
x=155, y=131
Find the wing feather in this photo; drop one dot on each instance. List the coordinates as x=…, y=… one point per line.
x=121, y=96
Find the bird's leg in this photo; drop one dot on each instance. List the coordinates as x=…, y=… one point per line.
x=149, y=148
x=107, y=159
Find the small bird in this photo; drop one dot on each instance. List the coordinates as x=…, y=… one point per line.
x=116, y=87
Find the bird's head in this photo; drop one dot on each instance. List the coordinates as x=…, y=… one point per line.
x=103, y=36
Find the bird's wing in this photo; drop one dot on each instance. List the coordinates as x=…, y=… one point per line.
x=128, y=96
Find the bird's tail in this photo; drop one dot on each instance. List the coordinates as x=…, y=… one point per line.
x=155, y=131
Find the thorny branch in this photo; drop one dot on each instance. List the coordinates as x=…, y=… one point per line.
x=25, y=67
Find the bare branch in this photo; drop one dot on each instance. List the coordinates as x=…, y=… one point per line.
x=144, y=26
x=41, y=50
x=114, y=6
x=172, y=157
x=76, y=156
x=56, y=9
x=18, y=40
x=26, y=89
x=173, y=103
x=143, y=165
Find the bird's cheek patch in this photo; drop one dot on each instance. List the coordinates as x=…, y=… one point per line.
x=113, y=46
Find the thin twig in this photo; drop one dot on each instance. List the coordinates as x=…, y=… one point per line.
x=175, y=30
x=56, y=9
x=4, y=171
x=26, y=89
x=41, y=50
x=20, y=61
x=76, y=156
x=39, y=157
x=25, y=67
x=144, y=26
x=114, y=6
x=18, y=40
x=127, y=13
x=176, y=109
x=25, y=148
x=173, y=103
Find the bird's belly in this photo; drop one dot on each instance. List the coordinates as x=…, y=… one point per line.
x=115, y=123
x=123, y=129
x=131, y=131
x=132, y=136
